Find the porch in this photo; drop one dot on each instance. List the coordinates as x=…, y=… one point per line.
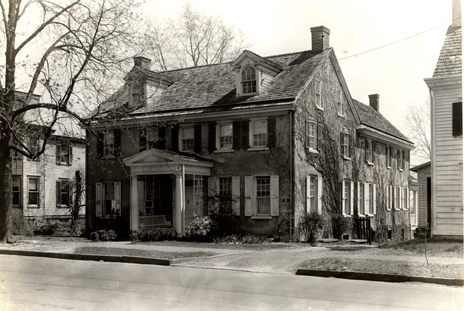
x=166, y=189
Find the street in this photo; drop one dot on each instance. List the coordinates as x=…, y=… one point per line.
x=33, y=283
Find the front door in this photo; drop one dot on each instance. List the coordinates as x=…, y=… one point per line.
x=155, y=200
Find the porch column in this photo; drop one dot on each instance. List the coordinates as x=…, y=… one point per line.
x=134, y=209
x=178, y=209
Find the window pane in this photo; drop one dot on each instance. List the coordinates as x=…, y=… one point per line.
x=263, y=195
x=32, y=184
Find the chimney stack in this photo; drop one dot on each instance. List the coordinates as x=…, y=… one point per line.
x=140, y=61
x=374, y=101
x=456, y=14
x=320, y=38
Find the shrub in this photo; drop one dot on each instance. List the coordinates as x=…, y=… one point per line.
x=242, y=239
x=103, y=235
x=199, y=228
x=221, y=213
x=340, y=225
x=153, y=234
x=45, y=227
x=309, y=225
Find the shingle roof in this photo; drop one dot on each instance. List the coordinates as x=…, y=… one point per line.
x=374, y=119
x=213, y=85
x=450, y=59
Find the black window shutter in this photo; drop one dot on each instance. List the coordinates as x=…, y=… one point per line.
x=161, y=143
x=271, y=132
x=117, y=143
x=58, y=193
x=143, y=140
x=350, y=141
x=457, y=119
x=100, y=139
x=236, y=130
x=70, y=158
x=373, y=152
x=58, y=152
x=175, y=139
x=319, y=137
x=211, y=137
x=197, y=138
x=366, y=150
x=245, y=133
x=341, y=144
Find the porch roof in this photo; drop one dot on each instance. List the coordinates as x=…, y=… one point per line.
x=157, y=162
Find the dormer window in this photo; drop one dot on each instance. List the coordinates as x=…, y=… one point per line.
x=248, y=80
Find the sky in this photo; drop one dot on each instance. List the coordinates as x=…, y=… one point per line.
x=395, y=72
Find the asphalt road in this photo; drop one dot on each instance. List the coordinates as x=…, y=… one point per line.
x=32, y=283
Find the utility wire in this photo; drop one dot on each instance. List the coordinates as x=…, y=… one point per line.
x=380, y=47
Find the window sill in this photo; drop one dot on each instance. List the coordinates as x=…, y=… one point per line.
x=397, y=209
x=370, y=163
x=401, y=170
x=370, y=215
x=261, y=217
x=33, y=206
x=224, y=151
x=320, y=108
x=63, y=206
x=346, y=216
x=346, y=158
x=341, y=115
x=258, y=149
x=311, y=150
x=388, y=167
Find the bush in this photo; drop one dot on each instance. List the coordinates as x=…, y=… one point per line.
x=153, y=234
x=309, y=225
x=103, y=235
x=46, y=227
x=242, y=239
x=199, y=229
x=221, y=213
x=340, y=225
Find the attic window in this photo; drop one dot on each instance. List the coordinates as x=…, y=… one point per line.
x=248, y=80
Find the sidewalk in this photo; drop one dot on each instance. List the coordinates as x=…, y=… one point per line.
x=285, y=260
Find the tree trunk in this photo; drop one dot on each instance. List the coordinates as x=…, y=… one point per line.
x=5, y=186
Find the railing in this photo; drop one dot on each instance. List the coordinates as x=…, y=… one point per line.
x=364, y=229
x=153, y=221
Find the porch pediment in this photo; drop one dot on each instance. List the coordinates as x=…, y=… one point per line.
x=156, y=161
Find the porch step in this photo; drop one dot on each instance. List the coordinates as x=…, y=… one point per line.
x=327, y=240
x=358, y=241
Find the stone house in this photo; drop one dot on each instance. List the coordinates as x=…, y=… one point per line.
x=280, y=134
x=446, y=131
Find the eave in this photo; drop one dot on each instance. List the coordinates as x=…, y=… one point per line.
x=441, y=82
x=377, y=135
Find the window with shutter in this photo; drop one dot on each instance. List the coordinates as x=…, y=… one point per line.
x=33, y=192
x=224, y=136
x=63, y=195
x=457, y=119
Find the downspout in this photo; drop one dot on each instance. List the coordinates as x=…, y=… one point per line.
x=183, y=200
x=433, y=183
x=292, y=213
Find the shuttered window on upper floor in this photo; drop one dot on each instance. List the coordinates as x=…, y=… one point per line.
x=457, y=119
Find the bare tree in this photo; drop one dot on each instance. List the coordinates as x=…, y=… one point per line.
x=194, y=39
x=77, y=44
x=417, y=123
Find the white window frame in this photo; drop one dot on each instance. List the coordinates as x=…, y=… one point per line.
x=218, y=137
x=63, y=152
x=37, y=191
x=370, y=152
x=389, y=198
x=388, y=156
x=396, y=198
x=100, y=199
x=244, y=83
x=400, y=160
x=345, y=145
x=347, y=197
x=340, y=106
x=183, y=131
x=253, y=121
x=68, y=192
x=318, y=94
x=361, y=200
x=311, y=135
x=251, y=205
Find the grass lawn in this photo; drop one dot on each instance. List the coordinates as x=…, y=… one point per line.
x=439, y=248
x=138, y=252
x=251, y=247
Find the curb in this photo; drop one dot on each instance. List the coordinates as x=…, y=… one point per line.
x=89, y=257
x=379, y=277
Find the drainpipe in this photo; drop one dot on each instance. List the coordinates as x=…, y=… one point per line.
x=292, y=213
x=183, y=200
x=434, y=173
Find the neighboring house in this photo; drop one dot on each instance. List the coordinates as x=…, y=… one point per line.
x=281, y=135
x=424, y=195
x=446, y=118
x=413, y=204
x=45, y=187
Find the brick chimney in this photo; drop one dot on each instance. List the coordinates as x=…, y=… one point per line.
x=320, y=38
x=140, y=61
x=456, y=13
x=374, y=101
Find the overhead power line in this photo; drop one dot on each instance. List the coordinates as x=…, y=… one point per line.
x=383, y=46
